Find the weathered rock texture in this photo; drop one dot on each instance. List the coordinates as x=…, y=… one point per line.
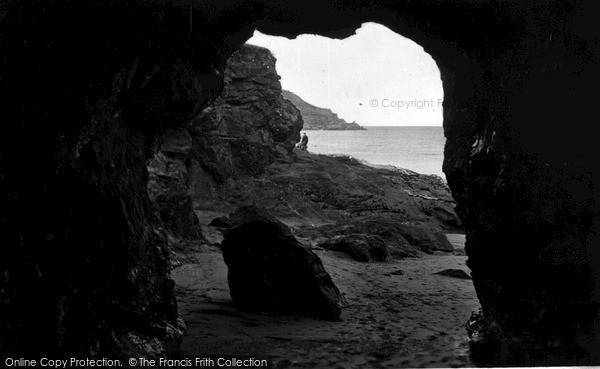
x=249, y=125
x=339, y=188
x=83, y=264
x=247, y=161
x=359, y=246
x=454, y=273
x=319, y=118
x=90, y=86
x=168, y=186
x=268, y=269
x=403, y=237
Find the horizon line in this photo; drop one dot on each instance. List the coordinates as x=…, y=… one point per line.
x=401, y=125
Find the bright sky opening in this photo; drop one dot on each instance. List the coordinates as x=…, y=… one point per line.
x=375, y=77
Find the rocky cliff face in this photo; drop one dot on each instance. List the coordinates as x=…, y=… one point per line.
x=168, y=186
x=249, y=125
x=319, y=118
x=238, y=152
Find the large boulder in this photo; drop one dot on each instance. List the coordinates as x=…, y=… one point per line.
x=270, y=270
x=361, y=247
x=404, y=239
x=419, y=236
x=428, y=239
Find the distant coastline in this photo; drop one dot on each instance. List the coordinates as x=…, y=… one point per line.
x=319, y=119
x=416, y=148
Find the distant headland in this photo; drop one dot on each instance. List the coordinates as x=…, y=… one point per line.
x=316, y=118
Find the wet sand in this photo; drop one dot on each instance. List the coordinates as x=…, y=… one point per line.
x=399, y=314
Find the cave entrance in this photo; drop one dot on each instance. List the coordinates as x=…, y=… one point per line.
x=383, y=234
x=93, y=85
x=376, y=80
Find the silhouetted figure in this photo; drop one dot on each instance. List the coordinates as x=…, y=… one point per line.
x=304, y=142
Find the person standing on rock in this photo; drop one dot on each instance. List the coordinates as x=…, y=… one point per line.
x=304, y=142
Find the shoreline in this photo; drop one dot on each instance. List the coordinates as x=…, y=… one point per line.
x=383, y=166
x=417, y=149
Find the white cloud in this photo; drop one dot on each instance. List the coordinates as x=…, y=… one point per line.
x=345, y=75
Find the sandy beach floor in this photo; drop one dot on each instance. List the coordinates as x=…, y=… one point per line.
x=399, y=314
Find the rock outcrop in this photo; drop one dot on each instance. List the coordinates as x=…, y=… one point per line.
x=454, y=273
x=245, y=129
x=245, y=161
x=249, y=125
x=168, y=188
x=220, y=222
x=359, y=246
x=403, y=238
x=316, y=118
x=340, y=188
x=268, y=269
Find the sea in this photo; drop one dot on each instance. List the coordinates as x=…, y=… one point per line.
x=418, y=148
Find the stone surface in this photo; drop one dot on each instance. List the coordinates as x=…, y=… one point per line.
x=361, y=247
x=454, y=273
x=397, y=272
x=249, y=125
x=298, y=184
x=268, y=269
x=342, y=188
x=402, y=238
x=220, y=222
x=167, y=186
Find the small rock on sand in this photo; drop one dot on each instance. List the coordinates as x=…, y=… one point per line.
x=397, y=272
x=454, y=273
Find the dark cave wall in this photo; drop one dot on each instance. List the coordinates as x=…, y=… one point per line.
x=522, y=173
x=519, y=159
x=92, y=85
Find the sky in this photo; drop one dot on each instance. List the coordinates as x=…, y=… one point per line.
x=375, y=77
